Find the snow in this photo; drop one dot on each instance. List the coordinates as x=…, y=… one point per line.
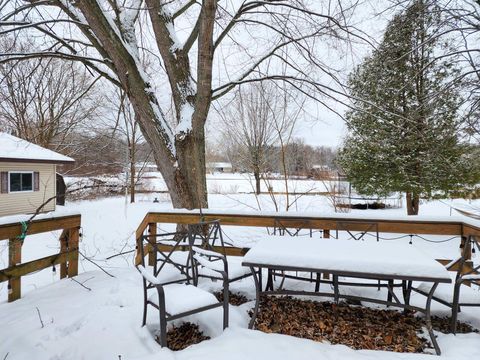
x=185, y=124
x=50, y=215
x=12, y=147
x=105, y=322
x=219, y=165
x=445, y=292
x=369, y=257
x=181, y=298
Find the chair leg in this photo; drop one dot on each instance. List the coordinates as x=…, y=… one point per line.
x=145, y=304
x=162, y=311
x=225, y=307
x=144, y=320
x=163, y=329
x=455, y=307
x=317, y=283
x=260, y=282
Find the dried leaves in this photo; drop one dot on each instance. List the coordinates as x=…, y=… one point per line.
x=179, y=338
x=443, y=325
x=235, y=299
x=357, y=327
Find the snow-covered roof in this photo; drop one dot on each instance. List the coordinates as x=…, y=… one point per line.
x=15, y=149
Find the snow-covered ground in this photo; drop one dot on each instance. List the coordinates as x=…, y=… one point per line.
x=234, y=183
x=103, y=321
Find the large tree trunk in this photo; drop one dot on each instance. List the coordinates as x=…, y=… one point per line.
x=180, y=156
x=189, y=185
x=413, y=203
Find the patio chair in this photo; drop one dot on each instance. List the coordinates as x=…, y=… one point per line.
x=168, y=286
x=208, y=235
x=458, y=293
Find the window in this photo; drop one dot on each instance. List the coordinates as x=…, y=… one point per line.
x=20, y=181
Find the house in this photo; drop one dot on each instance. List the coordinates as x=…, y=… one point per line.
x=321, y=172
x=223, y=167
x=27, y=176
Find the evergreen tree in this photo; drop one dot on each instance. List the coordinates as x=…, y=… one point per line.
x=404, y=123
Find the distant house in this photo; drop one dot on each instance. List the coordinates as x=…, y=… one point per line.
x=223, y=167
x=27, y=176
x=321, y=172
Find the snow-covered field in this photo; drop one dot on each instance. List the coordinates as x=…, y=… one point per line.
x=103, y=321
x=234, y=183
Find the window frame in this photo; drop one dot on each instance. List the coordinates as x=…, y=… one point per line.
x=21, y=191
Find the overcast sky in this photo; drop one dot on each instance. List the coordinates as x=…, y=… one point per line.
x=320, y=126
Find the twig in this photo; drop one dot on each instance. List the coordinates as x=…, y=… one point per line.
x=94, y=263
x=6, y=355
x=119, y=254
x=40, y=317
x=81, y=284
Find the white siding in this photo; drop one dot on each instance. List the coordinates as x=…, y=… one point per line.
x=28, y=202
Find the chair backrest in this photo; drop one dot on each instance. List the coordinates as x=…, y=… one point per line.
x=207, y=235
x=173, y=258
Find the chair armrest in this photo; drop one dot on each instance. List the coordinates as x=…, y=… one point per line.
x=207, y=252
x=200, y=255
x=215, y=266
x=147, y=275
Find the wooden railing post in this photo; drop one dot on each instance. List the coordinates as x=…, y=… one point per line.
x=63, y=249
x=466, y=252
x=152, y=256
x=14, y=258
x=73, y=237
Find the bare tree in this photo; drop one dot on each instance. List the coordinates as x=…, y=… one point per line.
x=248, y=127
x=44, y=100
x=284, y=121
x=127, y=126
x=110, y=37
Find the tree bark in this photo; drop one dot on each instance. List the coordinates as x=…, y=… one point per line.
x=256, y=175
x=413, y=203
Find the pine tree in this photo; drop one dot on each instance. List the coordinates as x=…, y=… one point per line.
x=404, y=124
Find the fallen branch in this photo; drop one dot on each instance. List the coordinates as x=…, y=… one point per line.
x=94, y=263
x=40, y=317
x=81, y=284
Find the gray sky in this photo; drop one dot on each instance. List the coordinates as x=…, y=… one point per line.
x=321, y=126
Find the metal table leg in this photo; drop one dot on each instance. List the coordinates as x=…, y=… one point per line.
x=269, y=281
x=336, y=291
x=428, y=319
x=258, y=291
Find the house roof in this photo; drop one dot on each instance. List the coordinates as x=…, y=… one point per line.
x=14, y=149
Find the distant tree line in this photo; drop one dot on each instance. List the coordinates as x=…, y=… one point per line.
x=301, y=159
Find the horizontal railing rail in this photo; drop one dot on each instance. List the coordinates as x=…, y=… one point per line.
x=414, y=226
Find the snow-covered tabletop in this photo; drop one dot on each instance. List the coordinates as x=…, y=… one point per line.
x=347, y=257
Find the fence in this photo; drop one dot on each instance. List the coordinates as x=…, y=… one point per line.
x=15, y=233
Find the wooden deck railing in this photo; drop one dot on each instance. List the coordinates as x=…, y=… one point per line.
x=326, y=224
x=67, y=257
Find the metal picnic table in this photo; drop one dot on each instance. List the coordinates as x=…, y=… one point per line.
x=372, y=260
